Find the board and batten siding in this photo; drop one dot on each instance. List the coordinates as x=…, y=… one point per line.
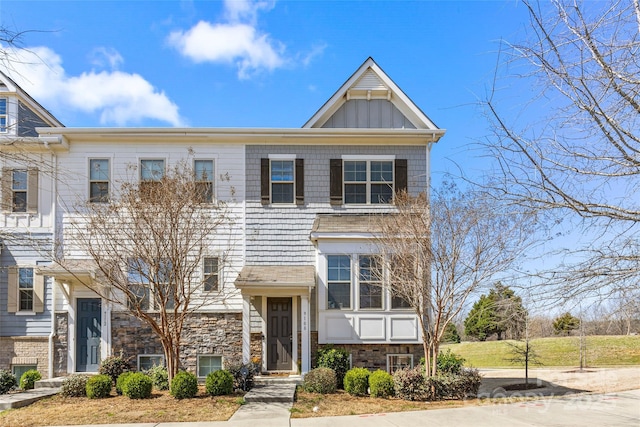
x=26, y=251
x=376, y=113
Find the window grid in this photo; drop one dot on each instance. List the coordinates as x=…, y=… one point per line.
x=148, y=361
x=208, y=363
x=25, y=289
x=368, y=181
x=19, y=189
x=399, y=361
x=282, y=177
x=211, y=274
x=99, y=178
x=339, y=282
x=204, y=179
x=370, y=282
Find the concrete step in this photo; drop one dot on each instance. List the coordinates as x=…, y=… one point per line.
x=270, y=393
x=24, y=398
x=49, y=383
x=266, y=379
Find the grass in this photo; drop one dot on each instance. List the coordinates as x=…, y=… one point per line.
x=161, y=407
x=621, y=350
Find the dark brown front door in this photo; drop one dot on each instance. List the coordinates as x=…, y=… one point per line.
x=279, y=338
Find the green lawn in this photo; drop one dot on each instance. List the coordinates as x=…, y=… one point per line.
x=557, y=351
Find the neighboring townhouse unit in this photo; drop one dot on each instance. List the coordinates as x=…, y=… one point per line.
x=301, y=248
x=26, y=230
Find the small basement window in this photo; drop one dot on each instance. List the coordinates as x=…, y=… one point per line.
x=399, y=361
x=18, y=370
x=208, y=363
x=148, y=361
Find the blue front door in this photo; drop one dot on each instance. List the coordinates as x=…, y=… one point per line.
x=88, y=335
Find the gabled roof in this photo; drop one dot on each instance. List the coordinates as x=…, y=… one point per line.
x=370, y=82
x=43, y=113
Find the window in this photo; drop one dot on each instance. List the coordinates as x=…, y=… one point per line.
x=210, y=274
x=399, y=361
x=399, y=303
x=339, y=282
x=18, y=370
x=3, y=115
x=208, y=363
x=138, y=277
x=282, y=180
x=148, y=361
x=370, y=282
x=368, y=182
x=151, y=173
x=203, y=170
x=99, y=180
x=25, y=289
x=150, y=285
x=19, y=190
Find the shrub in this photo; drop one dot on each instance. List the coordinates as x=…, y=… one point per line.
x=114, y=366
x=159, y=376
x=74, y=386
x=219, y=383
x=122, y=378
x=137, y=386
x=450, y=362
x=184, y=385
x=29, y=378
x=7, y=381
x=336, y=359
x=99, y=386
x=381, y=384
x=356, y=381
x=243, y=375
x=453, y=386
x=409, y=384
x=320, y=380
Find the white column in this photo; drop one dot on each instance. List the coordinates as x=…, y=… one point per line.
x=246, y=329
x=305, y=323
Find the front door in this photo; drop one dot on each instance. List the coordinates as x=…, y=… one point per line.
x=88, y=335
x=279, y=338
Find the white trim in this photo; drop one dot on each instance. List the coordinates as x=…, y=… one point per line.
x=109, y=181
x=374, y=157
x=282, y=157
x=389, y=355
x=139, y=355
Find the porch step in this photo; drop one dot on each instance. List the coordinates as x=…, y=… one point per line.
x=24, y=398
x=50, y=383
x=282, y=392
x=291, y=379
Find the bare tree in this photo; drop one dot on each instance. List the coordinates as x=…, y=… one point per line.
x=440, y=252
x=578, y=147
x=157, y=247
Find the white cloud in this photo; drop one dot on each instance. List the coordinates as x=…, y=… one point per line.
x=236, y=41
x=104, y=57
x=119, y=98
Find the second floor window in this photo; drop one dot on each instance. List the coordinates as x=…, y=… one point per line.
x=99, y=180
x=151, y=173
x=25, y=289
x=3, y=115
x=203, y=176
x=19, y=187
x=282, y=181
x=210, y=274
x=368, y=182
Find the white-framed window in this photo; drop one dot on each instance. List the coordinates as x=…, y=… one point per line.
x=25, y=289
x=399, y=303
x=208, y=363
x=399, y=361
x=204, y=178
x=99, y=180
x=19, y=189
x=338, y=282
x=282, y=177
x=148, y=361
x=211, y=274
x=150, y=284
x=368, y=181
x=370, y=282
x=3, y=115
x=18, y=370
x=151, y=173
x=282, y=180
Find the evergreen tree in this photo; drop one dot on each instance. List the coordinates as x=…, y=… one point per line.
x=565, y=324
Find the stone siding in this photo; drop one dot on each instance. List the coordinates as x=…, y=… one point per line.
x=374, y=356
x=25, y=351
x=204, y=333
x=61, y=345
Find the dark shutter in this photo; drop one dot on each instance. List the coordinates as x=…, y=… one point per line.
x=335, y=181
x=401, y=175
x=299, y=181
x=32, y=190
x=264, y=181
x=7, y=194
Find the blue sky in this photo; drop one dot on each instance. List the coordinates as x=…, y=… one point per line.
x=257, y=63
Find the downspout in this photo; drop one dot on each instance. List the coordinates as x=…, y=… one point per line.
x=54, y=196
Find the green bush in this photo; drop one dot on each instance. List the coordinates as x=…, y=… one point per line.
x=114, y=366
x=409, y=383
x=219, y=383
x=453, y=386
x=29, y=378
x=356, y=381
x=74, y=386
x=184, y=385
x=122, y=378
x=137, y=386
x=320, y=380
x=336, y=359
x=159, y=376
x=99, y=387
x=7, y=381
x=447, y=363
x=381, y=384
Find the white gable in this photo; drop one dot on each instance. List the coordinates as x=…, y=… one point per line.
x=370, y=99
